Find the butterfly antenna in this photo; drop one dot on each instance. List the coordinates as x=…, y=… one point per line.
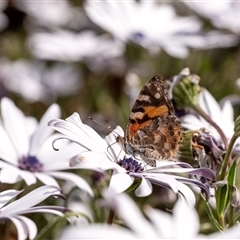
x=118, y=137
x=107, y=127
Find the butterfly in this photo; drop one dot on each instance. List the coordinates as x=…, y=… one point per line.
x=153, y=132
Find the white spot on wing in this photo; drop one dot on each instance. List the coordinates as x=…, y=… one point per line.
x=144, y=98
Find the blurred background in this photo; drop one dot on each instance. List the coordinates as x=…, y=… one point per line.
x=94, y=56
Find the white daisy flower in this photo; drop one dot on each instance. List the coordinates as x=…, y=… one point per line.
x=100, y=154
x=26, y=149
x=153, y=26
x=64, y=45
x=51, y=13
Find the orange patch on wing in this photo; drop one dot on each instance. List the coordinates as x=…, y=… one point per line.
x=132, y=129
x=136, y=126
x=144, y=124
x=153, y=112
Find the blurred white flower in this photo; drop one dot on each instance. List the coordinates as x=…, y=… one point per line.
x=153, y=26
x=100, y=154
x=183, y=223
x=51, y=13
x=132, y=86
x=26, y=228
x=34, y=81
x=26, y=149
x=69, y=46
x=223, y=14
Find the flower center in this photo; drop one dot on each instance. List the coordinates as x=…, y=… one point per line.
x=31, y=164
x=137, y=37
x=131, y=165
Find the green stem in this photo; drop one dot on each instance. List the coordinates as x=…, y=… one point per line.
x=221, y=220
x=198, y=109
x=111, y=216
x=227, y=157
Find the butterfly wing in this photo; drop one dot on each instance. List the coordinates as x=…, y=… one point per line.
x=153, y=131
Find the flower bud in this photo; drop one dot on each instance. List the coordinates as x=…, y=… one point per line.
x=185, y=89
x=237, y=126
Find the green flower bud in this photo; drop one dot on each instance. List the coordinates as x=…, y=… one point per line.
x=237, y=127
x=185, y=89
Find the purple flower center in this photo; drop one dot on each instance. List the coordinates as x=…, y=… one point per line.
x=131, y=165
x=137, y=37
x=31, y=164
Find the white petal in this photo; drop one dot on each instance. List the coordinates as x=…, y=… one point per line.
x=21, y=227
x=43, y=209
x=163, y=180
x=9, y=174
x=31, y=226
x=28, y=177
x=32, y=124
x=87, y=160
x=162, y=222
x=209, y=104
x=79, y=133
x=77, y=180
x=177, y=51
x=228, y=111
x=15, y=124
x=120, y=182
x=34, y=197
x=57, y=160
x=96, y=231
x=188, y=228
x=115, y=149
x=7, y=150
x=43, y=131
x=132, y=216
x=144, y=189
x=46, y=179
x=193, y=123
x=75, y=119
x=7, y=195
x=187, y=194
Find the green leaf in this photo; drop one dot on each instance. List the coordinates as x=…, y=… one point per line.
x=212, y=217
x=135, y=185
x=232, y=174
x=222, y=199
